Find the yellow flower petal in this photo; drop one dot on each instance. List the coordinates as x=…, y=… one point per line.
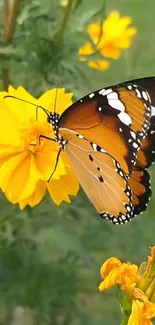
x=36, y=196
x=110, y=51
x=101, y=65
x=115, y=272
x=56, y=100
x=69, y=185
x=136, y=317
x=109, y=265
x=18, y=176
x=86, y=49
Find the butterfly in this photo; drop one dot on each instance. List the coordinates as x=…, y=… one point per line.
x=107, y=136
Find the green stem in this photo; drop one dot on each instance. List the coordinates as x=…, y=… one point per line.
x=61, y=31
x=125, y=320
x=5, y=16
x=10, y=18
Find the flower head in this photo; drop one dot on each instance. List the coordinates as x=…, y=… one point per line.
x=108, y=39
x=27, y=158
x=138, y=284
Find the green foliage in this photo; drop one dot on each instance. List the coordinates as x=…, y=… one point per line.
x=50, y=256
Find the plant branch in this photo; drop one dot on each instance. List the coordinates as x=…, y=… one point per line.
x=10, y=18
x=61, y=31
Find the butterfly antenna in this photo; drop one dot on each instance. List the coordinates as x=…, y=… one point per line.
x=56, y=96
x=26, y=101
x=56, y=164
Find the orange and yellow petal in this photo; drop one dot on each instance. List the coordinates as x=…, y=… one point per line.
x=110, y=51
x=18, y=109
x=109, y=266
x=56, y=100
x=35, y=197
x=98, y=64
x=136, y=317
x=114, y=272
x=60, y=189
x=86, y=49
x=18, y=176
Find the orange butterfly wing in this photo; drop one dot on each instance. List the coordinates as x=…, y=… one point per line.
x=146, y=155
x=116, y=119
x=100, y=176
x=139, y=183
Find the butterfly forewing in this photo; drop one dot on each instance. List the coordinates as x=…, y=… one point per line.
x=115, y=118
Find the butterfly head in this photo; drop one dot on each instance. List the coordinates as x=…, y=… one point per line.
x=53, y=119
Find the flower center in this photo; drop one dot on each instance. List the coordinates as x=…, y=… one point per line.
x=32, y=135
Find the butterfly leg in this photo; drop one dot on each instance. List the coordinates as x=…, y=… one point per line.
x=56, y=164
x=44, y=137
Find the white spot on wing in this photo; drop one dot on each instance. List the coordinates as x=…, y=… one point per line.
x=138, y=93
x=152, y=110
x=91, y=95
x=144, y=95
x=114, y=101
x=117, y=104
x=105, y=92
x=133, y=134
x=125, y=118
x=94, y=146
x=135, y=145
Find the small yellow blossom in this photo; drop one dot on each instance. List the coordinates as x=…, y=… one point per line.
x=108, y=38
x=115, y=272
x=138, y=284
x=26, y=162
x=64, y=3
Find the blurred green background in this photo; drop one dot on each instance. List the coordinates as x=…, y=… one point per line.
x=50, y=256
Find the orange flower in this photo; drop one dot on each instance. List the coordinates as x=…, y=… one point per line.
x=116, y=272
x=138, y=284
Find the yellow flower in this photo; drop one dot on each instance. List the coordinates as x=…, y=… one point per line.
x=115, y=272
x=138, y=284
x=64, y=3
x=108, y=38
x=141, y=313
x=26, y=162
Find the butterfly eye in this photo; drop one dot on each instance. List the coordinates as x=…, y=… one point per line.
x=49, y=119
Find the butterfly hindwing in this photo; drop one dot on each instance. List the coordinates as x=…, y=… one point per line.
x=101, y=177
x=146, y=155
x=139, y=183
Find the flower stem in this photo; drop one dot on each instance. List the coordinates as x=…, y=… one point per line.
x=10, y=18
x=61, y=31
x=125, y=320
